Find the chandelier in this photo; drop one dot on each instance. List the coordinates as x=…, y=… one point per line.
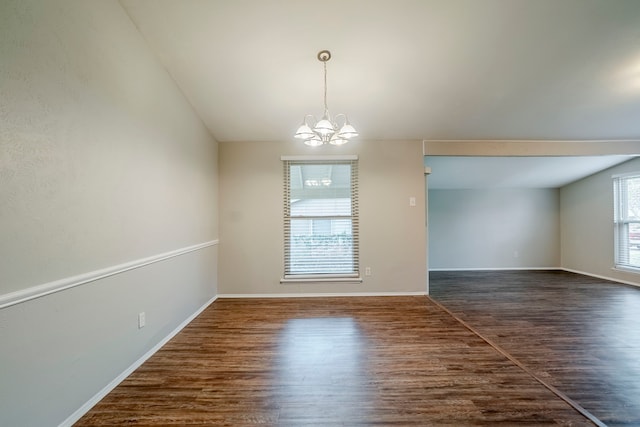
x=325, y=131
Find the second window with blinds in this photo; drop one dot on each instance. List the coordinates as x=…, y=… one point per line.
x=321, y=219
x=627, y=221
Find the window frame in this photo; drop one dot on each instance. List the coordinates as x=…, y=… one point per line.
x=622, y=221
x=351, y=277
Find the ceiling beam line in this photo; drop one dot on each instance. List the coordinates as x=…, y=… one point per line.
x=524, y=148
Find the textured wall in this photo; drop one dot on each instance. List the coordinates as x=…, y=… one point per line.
x=98, y=153
x=102, y=162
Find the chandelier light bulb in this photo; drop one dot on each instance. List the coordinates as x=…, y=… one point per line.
x=324, y=127
x=347, y=131
x=314, y=141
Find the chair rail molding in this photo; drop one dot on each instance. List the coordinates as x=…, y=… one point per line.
x=24, y=295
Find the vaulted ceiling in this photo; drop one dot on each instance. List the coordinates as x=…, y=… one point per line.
x=406, y=69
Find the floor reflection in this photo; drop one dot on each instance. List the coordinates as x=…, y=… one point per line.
x=579, y=332
x=320, y=370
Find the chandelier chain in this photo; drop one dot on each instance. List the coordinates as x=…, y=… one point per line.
x=326, y=109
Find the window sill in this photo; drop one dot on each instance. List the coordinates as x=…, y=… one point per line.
x=320, y=279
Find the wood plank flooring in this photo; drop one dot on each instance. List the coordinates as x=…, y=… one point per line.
x=330, y=362
x=580, y=334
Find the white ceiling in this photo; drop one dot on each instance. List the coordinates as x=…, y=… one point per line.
x=405, y=69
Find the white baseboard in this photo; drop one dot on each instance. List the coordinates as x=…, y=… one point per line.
x=73, y=418
x=569, y=270
x=597, y=276
x=318, y=295
x=496, y=269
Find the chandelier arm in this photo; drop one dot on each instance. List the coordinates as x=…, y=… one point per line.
x=313, y=122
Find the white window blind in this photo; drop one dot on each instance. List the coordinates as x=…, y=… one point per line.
x=321, y=219
x=627, y=220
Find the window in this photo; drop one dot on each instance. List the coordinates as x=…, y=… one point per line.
x=627, y=220
x=321, y=218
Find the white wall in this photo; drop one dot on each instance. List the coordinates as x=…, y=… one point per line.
x=494, y=228
x=392, y=237
x=587, y=224
x=102, y=162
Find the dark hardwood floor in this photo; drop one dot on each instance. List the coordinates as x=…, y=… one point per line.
x=580, y=334
x=348, y=361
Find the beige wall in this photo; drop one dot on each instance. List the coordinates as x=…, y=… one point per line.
x=494, y=229
x=102, y=163
x=587, y=224
x=392, y=236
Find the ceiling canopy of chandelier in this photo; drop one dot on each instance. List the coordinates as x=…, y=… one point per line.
x=325, y=131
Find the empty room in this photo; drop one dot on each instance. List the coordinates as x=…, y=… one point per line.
x=296, y=213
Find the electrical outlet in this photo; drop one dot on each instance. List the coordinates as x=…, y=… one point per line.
x=367, y=271
x=412, y=201
x=142, y=320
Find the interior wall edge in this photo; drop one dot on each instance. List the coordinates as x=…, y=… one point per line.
x=597, y=276
x=38, y=291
